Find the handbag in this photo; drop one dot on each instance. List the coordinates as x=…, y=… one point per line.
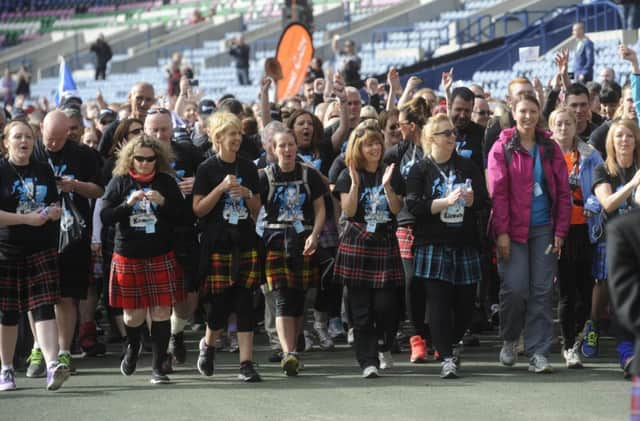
x=72, y=225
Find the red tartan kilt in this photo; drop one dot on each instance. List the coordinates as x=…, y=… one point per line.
x=368, y=260
x=30, y=281
x=405, y=242
x=148, y=282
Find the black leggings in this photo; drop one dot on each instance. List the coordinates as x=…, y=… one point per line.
x=236, y=299
x=450, y=312
x=40, y=314
x=418, y=298
x=574, y=281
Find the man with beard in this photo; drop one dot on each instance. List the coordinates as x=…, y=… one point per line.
x=469, y=134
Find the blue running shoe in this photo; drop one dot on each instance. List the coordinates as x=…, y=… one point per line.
x=591, y=341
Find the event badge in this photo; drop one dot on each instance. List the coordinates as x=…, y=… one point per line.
x=234, y=217
x=537, y=190
x=298, y=227
x=371, y=226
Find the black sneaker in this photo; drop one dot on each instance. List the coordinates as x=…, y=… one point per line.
x=94, y=350
x=129, y=360
x=158, y=377
x=275, y=356
x=206, y=359
x=177, y=348
x=248, y=373
x=167, y=367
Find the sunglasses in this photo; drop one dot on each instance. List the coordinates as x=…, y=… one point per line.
x=145, y=158
x=135, y=131
x=158, y=111
x=446, y=133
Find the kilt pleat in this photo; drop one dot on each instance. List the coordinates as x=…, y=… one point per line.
x=368, y=260
x=221, y=274
x=457, y=265
x=30, y=281
x=147, y=282
x=282, y=271
x=405, y=241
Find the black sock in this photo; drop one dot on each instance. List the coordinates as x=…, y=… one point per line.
x=160, y=334
x=133, y=335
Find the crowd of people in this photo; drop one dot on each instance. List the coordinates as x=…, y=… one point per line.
x=347, y=211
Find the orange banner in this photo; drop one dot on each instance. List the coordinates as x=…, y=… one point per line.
x=294, y=53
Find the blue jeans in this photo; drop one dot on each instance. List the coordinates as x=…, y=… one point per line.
x=243, y=75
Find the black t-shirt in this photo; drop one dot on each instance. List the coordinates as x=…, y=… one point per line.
x=142, y=240
x=491, y=134
x=291, y=200
x=337, y=166
x=428, y=181
x=469, y=143
x=405, y=155
x=106, y=141
x=186, y=162
x=601, y=175
x=23, y=190
x=81, y=163
x=322, y=161
x=598, y=138
x=241, y=55
x=373, y=206
x=328, y=134
x=228, y=212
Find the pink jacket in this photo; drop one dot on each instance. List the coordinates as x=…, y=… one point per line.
x=511, y=188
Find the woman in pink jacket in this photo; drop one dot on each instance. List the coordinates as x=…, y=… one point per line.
x=530, y=219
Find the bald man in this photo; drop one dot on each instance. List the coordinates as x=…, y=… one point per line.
x=76, y=168
x=159, y=124
x=141, y=98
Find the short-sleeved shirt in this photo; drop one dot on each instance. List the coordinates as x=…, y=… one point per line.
x=24, y=189
x=572, y=159
x=373, y=206
x=601, y=175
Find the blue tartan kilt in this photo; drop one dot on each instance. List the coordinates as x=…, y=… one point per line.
x=457, y=265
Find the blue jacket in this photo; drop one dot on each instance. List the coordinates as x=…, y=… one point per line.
x=635, y=93
x=589, y=159
x=583, y=60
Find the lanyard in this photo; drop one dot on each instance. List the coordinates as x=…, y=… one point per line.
x=28, y=191
x=450, y=179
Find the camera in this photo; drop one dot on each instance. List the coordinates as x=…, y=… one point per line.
x=194, y=82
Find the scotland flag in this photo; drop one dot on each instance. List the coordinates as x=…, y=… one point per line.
x=66, y=85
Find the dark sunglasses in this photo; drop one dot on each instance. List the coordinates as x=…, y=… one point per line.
x=158, y=111
x=145, y=158
x=446, y=133
x=135, y=131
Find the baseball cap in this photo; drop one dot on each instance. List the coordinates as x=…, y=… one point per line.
x=107, y=115
x=69, y=98
x=206, y=107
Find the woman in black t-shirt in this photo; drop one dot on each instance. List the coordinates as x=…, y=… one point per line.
x=143, y=201
x=294, y=217
x=368, y=261
x=29, y=272
x=440, y=192
x=225, y=203
x=615, y=184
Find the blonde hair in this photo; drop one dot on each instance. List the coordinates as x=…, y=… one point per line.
x=219, y=123
x=7, y=130
x=430, y=128
x=561, y=109
x=164, y=156
x=610, y=163
x=368, y=129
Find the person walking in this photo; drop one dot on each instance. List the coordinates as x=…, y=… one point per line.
x=103, y=53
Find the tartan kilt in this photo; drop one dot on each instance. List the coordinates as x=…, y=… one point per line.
x=405, y=241
x=147, y=282
x=456, y=265
x=282, y=271
x=368, y=260
x=221, y=273
x=599, y=268
x=30, y=281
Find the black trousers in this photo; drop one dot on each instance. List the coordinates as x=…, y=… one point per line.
x=101, y=71
x=373, y=315
x=450, y=312
x=575, y=283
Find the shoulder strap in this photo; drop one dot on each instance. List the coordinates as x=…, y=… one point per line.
x=268, y=170
x=305, y=179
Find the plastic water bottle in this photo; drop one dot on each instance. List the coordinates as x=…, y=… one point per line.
x=467, y=185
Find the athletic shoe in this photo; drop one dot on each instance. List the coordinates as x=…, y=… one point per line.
x=233, y=342
x=56, y=375
x=351, y=338
x=508, y=354
x=308, y=341
x=88, y=339
x=167, y=364
x=130, y=359
x=276, y=356
x=65, y=359
x=470, y=340
x=177, y=348
x=386, y=360
x=448, y=369
x=37, y=367
x=7, y=380
x=457, y=356
x=539, y=364
x=591, y=341
x=324, y=339
x=626, y=368
x=418, y=350
x=206, y=359
x=290, y=365
x=336, y=328
x=370, y=372
x=248, y=373
x=572, y=358
x=158, y=377
x=95, y=350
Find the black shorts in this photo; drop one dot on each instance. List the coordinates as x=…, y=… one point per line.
x=187, y=249
x=235, y=299
x=289, y=302
x=75, y=271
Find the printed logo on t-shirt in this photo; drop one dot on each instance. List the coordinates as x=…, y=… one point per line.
x=31, y=196
x=308, y=158
x=376, y=208
x=290, y=200
x=234, y=208
x=460, y=148
x=143, y=216
x=179, y=173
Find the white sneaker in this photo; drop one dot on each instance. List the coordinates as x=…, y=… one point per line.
x=449, y=369
x=572, y=358
x=386, y=360
x=370, y=372
x=336, y=329
x=308, y=341
x=324, y=340
x=539, y=364
x=508, y=355
x=350, y=337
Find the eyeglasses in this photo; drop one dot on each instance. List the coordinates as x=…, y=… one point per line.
x=482, y=113
x=158, y=111
x=145, y=158
x=368, y=124
x=135, y=132
x=446, y=133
